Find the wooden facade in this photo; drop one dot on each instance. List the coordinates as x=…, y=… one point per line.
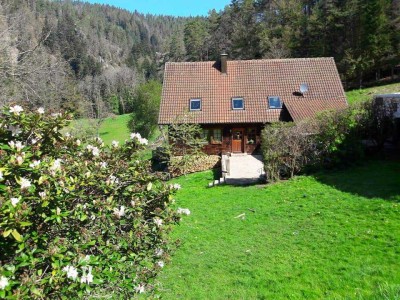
x=232, y=138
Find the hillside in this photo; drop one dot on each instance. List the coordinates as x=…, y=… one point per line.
x=78, y=56
x=367, y=93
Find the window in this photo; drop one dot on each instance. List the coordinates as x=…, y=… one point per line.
x=205, y=135
x=274, y=102
x=251, y=136
x=216, y=136
x=237, y=103
x=195, y=104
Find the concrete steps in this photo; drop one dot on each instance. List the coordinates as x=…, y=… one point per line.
x=240, y=169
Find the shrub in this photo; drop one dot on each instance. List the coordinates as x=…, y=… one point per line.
x=329, y=139
x=77, y=219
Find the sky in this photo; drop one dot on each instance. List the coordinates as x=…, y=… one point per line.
x=182, y=8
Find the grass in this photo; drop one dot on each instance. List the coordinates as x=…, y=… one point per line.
x=368, y=93
x=330, y=236
x=115, y=128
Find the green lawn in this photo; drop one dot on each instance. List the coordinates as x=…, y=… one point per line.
x=368, y=93
x=115, y=128
x=331, y=236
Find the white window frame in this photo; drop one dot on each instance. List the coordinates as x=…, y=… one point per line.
x=193, y=100
x=237, y=98
x=273, y=107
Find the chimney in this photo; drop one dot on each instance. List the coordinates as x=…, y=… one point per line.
x=224, y=63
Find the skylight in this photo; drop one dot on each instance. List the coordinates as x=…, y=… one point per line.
x=274, y=102
x=237, y=103
x=195, y=104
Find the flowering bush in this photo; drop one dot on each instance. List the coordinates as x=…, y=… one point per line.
x=77, y=219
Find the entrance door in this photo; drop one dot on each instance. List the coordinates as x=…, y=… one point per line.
x=237, y=140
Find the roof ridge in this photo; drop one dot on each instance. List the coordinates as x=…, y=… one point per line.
x=255, y=60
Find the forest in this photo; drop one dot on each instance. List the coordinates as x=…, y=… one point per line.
x=91, y=59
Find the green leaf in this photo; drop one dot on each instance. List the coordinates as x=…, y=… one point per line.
x=7, y=233
x=16, y=235
x=149, y=186
x=23, y=224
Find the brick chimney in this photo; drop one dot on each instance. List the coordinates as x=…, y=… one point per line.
x=224, y=63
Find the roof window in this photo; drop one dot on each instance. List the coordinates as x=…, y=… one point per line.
x=237, y=103
x=195, y=104
x=274, y=102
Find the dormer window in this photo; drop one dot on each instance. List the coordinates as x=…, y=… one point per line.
x=274, y=102
x=195, y=104
x=237, y=103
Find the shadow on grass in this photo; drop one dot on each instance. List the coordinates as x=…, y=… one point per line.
x=373, y=179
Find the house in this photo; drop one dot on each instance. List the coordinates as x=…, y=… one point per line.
x=391, y=107
x=233, y=100
x=391, y=103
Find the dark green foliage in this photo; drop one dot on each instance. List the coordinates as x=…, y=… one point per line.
x=363, y=36
x=145, y=105
x=330, y=139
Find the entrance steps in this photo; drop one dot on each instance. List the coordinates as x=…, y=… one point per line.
x=241, y=169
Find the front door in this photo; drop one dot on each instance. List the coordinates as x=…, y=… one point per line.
x=237, y=140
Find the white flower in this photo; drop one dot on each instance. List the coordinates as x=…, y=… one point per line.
x=136, y=135
x=159, y=252
x=158, y=221
x=89, y=276
x=19, y=146
x=58, y=211
x=14, y=201
x=183, y=211
x=34, y=141
x=20, y=160
x=56, y=165
x=40, y=110
x=143, y=141
x=95, y=151
x=15, y=130
x=25, y=183
x=56, y=115
x=11, y=144
x=1, y=175
x=99, y=140
x=119, y=212
x=42, y=195
x=103, y=165
x=16, y=109
x=115, y=144
x=176, y=186
x=71, y=271
x=78, y=142
x=86, y=278
x=34, y=164
x=112, y=180
x=160, y=264
x=140, y=289
x=3, y=282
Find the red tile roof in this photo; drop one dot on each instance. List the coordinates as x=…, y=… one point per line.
x=254, y=80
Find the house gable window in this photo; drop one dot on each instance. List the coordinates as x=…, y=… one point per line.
x=195, y=104
x=274, y=102
x=237, y=103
